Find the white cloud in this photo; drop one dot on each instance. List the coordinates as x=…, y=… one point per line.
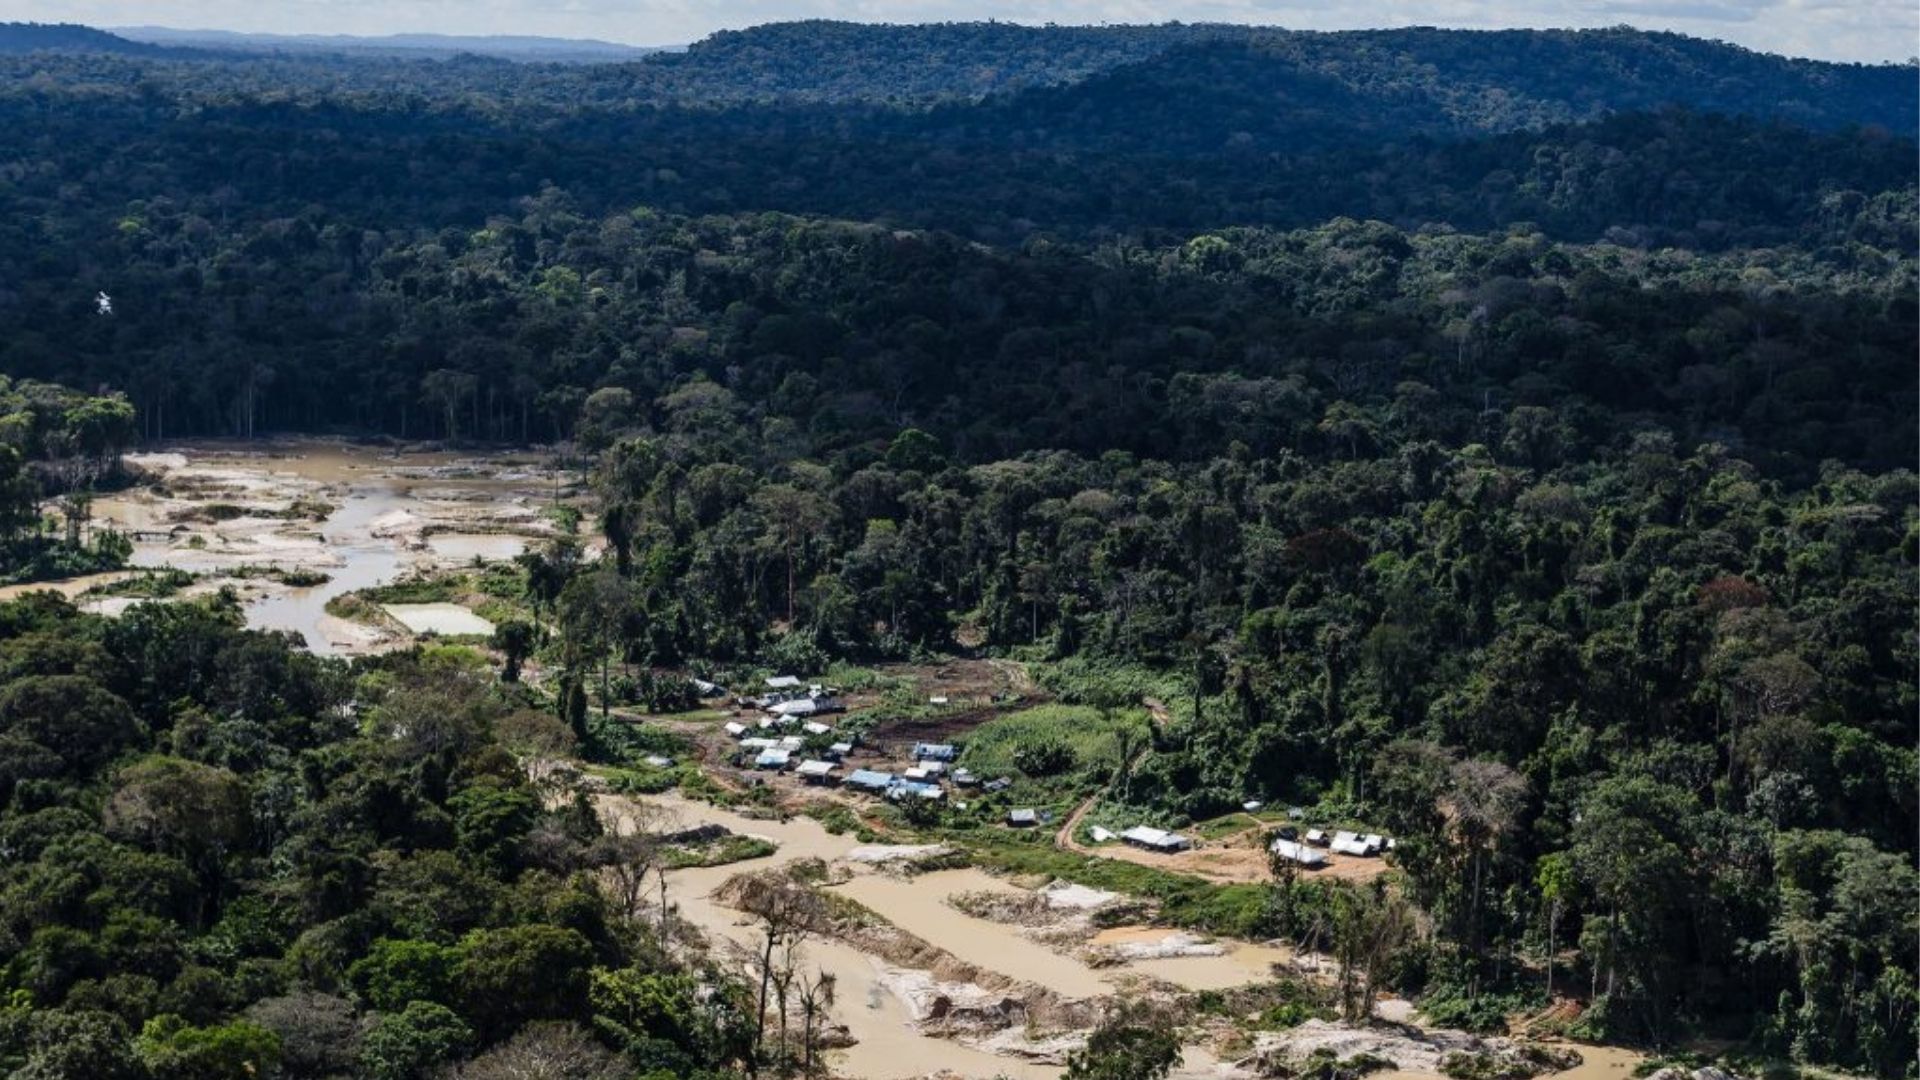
x=1870, y=30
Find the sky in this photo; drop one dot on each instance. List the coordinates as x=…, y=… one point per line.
x=1864, y=30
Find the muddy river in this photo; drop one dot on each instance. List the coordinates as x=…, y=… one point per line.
x=364, y=516
x=889, y=1045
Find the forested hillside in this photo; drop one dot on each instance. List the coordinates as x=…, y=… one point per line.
x=1505, y=439
x=22, y=38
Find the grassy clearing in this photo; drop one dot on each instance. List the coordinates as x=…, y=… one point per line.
x=1019, y=742
x=1090, y=682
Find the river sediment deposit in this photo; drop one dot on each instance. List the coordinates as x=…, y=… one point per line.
x=928, y=987
x=268, y=519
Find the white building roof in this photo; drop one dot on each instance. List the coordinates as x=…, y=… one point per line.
x=1152, y=837
x=1349, y=843
x=815, y=768
x=1299, y=853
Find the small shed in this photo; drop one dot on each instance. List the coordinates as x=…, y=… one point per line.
x=783, y=682
x=917, y=774
x=839, y=750
x=908, y=789
x=934, y=752
x=869, y=780
x=795, y=709
x=735, y=728
x=1299, y=854
x=815, y=727
x=1152, y=839
x=1317, y=837
x=965, y=777
x=816, y=772
x=1350, y=843
x=773, y=759
x=1023, y=819
x=1100, y=835
x=758, y=742
x=1000, y=784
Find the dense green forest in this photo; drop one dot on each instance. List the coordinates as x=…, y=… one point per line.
x=1506, y=438
x=216, y=868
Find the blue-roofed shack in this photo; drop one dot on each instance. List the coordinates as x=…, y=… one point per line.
x=869, y=780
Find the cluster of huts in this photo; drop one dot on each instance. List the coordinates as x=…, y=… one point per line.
x=777, y=739
x=1308, y=851
x=1305, y=851
x=931, y=769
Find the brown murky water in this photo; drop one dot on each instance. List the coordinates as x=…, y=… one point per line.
x=1238, y=963
x=889, y=1047
x=919, y=906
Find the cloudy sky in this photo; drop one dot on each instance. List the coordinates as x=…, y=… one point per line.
x=1869, y=30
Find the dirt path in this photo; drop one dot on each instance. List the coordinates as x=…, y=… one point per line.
x=1067, y=837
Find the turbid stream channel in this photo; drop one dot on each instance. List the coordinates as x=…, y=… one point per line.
x=889, y=1045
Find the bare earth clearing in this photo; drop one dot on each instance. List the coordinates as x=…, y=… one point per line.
x=361, y=515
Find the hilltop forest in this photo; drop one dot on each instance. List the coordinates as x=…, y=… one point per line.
x=1503, y=437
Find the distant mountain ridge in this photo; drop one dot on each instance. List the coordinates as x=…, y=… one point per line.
x=26, y=37
x=1286, y=93
x=1467, y=79
x=1175, y=89
x=423, y=46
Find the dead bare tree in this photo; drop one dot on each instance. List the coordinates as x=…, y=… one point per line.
x=631, y=851
x=787, y=911
x=1482, y=804
x=817, y=997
